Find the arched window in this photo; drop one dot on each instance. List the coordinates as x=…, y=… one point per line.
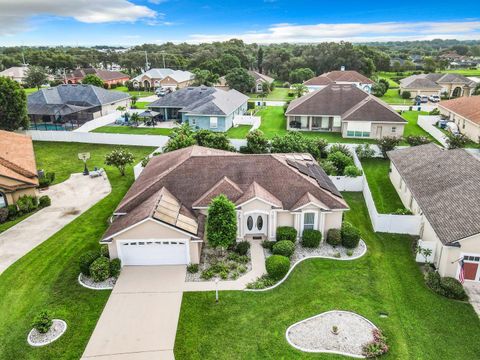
x=3, y=200
x=250, y=223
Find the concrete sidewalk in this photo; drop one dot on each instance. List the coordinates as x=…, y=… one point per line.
x=140, y=319
x=472, y=289
x=69, y=200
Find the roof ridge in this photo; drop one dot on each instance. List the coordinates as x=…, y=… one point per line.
x=216, y=185
x=17, y=168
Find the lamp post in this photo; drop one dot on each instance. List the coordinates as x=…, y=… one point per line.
x=216, y=290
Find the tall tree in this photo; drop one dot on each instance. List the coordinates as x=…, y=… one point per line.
x=36, y=77
x=92, y=79
x=239, y=79
x=260, y=60
x=13, y=105
x=221, y=222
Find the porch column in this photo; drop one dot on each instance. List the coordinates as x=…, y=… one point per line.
x=296, y=223
x=309, y=123
x=272, y=224
x=240, y=234
x=321, y=224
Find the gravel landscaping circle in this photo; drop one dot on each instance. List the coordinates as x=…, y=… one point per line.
x=327, y=250
x=87, y=282
x=315, y=334
x=57, y=329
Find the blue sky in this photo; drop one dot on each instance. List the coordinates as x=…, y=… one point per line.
x=128, y=22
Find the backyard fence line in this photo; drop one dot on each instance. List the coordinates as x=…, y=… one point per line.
x=254, y=121
x=427, y=122
x=345, y=183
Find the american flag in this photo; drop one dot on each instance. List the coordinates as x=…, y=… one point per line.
x=461, y=276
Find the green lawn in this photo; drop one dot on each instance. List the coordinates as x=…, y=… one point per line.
x=135, y=92
x=420, y=325
x=392, y=84
x=393, y=97
x=412, y=128
x=279, y=94
x=132, y=130
x=384, y=194
x=239, y=132
x=141, y=104
x=29, y=91
x=46, y=278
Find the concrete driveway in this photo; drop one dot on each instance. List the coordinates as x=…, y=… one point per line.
x=139, y=321
x=69, y=200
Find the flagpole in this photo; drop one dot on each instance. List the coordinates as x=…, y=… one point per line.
x=460, y=258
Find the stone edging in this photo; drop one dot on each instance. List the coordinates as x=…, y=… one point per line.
x=326, y=351
x=51, y=340
x=306, y=258
x=91, y=287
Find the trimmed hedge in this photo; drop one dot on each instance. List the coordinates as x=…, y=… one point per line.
x=242, y=247
x=277, y=266
x=447, y=286
x=100, y=269
x=86, y=259
x=286, y=233
x=115, y=267
x=350, y=235
x=42, y=322
x=44, y=201
x=284, y=247
x=311, y=238
x=334, y=237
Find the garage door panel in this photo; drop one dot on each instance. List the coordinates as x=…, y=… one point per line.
x=154, y=252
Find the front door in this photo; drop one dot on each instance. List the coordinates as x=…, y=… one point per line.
x=470, y=267
x=256, y=224
x=379, y=132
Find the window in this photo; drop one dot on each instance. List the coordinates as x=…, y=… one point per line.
x=250, y=223
x=259, y=222
x=193, y=121
x=358, y=133
x=394, y=129
x=213, y=122
x=308, y=221
x=337, y=122
x=3, y=201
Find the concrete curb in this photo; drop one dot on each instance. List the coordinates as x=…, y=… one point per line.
x=49, y=341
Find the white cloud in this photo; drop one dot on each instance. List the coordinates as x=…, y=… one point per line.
x=14, y=16
x=354, y=32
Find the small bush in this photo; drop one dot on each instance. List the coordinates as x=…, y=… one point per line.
x=349, y=252
x=100, y=269
x=286, y=233
x=311, y=238
x=266, y=244
x=243, y=259
x=387, y=143
x=284, y=247
x=277, y=266
x=406, y=95
x=218, y=267
x=261, y=283
x=207, y=274
x=86, y=259
x=12, y=211
x=334, y=237
x=44, y=201
x=401, y=211
x=115, y=267
x=329, y=167
x=42, y=322
x=223, y=275
x=242, y=269
x=365, y=151
x=376, y=347
x=233, y=256
x=192, y=268
x=452, y=289
x=27, y=204
x=337, y=255
x=104, y=251
x=242, y=247
x=415, y=140
x=340, y=148
x=340, y=161
x=350, y=235
x=352, y=171
x=3, y=215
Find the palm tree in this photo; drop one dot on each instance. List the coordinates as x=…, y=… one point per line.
x=135, y=118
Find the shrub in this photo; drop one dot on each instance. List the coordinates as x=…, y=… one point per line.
x=44, y=201
x=452, y=289
x=352, y=171
x=104, y=251
x=261, y=283
x=3, y=215
x=223, y=275
x=277, y=266
x=100, y=269
x=311, y=238
x=329, y=167
x=406, y=95
x=207, y=274
x=388, y=143
x=242, y=269
x=456, y=141
x=242, y=247
x=349, y=252
x=350, y=235
x=86, y=259
x=27, y=204
x=12, y=211
x=340, y=161
x=115, y=267
x=233, y=256
x=43, y=182
x=334, y=237
x=284, y=247
x=378, y=346
x=435, y=111
x=286, y=233
x=365, y=151
x=415, y=140
x=243, y=259
x=42, y=322
x=340, y=147
x=401, y=211
x=266, y=244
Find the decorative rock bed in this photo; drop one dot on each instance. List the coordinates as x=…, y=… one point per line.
x=90, y=284
x=327, y=250
x=316, y=334
x=58, y=328
x=208, y=257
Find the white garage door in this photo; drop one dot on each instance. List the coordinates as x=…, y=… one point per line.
x=151, y=252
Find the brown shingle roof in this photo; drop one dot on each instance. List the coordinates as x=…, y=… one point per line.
x=17, y=159
x=319, y=81
x=373, y=110
x=467, y=107
x=190, y=174
x=348, y=76
x=446, y=186
x=257, y=191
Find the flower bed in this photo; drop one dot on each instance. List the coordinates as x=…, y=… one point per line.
x=88, y=282
x=58, y=328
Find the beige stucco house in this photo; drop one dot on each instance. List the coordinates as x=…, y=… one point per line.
x=443, y=186
x=18, y=170
x=167, y=78
x=161, y=219
x=465, y=112
x=345, y=109
x=340, y=77
x=449, y=85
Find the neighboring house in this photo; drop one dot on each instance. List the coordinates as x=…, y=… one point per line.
x=222, y=83
x=166, y=78
x=442, y=186
x=340, y=77
x=73, y=104
x=202, y=107
x=465, y=112
x=108, y=77
x=449, y=85
x=17, y=73
x=345, y=109
x=260, y=79
x=161, y=220
x=18, y=170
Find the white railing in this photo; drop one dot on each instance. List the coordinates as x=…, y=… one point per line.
x=427, y=123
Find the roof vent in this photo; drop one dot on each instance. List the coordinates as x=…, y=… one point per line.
x=342, y=68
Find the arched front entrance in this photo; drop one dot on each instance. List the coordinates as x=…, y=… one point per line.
x=146, y=84
x=256, y=223
x=3, y=200
x=457, y=92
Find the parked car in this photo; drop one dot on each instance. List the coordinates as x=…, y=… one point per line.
x=452, y=128
x=434, y=98
x=163, y=91
x=424, y=99
x=442, y=124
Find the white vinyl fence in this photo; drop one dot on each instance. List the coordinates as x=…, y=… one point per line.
x=254, y=121
x=345, y=183
x=398, y=224
x=427, y=123
x=98, y=138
